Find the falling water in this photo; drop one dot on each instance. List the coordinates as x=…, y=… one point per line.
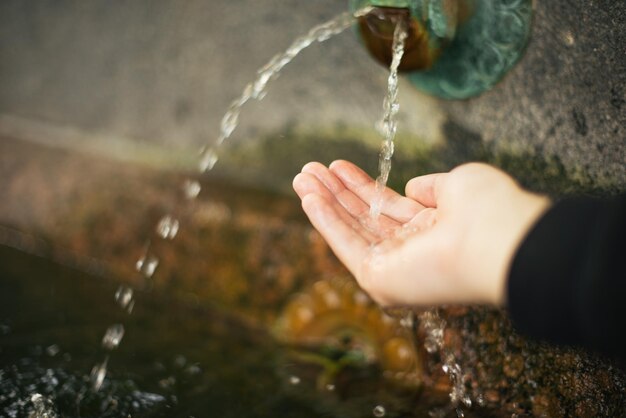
x=433, y=324
x=168, y=226
x=434, y=328
x=257, y=89
x=42, y=407
x=389, y=122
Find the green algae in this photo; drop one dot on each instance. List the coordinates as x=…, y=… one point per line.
x=275, y=159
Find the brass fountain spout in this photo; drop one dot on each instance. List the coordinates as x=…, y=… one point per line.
x=455, y=49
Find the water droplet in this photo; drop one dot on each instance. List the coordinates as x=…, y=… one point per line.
x=208, y=160
x=407, y=322
x=379, y=411
x=180, y=361
x=192, y=189
x=42, y=407
x=167, y=228
x=256, y=89
x=147, y=265
x=231, y=118
x=53, y=350
x=294, y=380
x=98, y=373
x=193, y=370
x=431, y=346
x=113, y=336
x=124, y=297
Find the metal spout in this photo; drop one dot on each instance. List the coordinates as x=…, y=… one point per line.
x=455, y=49
x=377, y=29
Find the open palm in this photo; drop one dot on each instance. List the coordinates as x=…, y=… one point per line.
x=449, y=240
x=336, y=199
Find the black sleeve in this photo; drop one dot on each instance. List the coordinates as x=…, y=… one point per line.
x=567, y=283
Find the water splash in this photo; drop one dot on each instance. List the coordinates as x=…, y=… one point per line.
x=434, y=328
x=389, y=123
x=32, y=389
x=41, y=407
x=458, y=393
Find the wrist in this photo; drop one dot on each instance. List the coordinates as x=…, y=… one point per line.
x=530, y=207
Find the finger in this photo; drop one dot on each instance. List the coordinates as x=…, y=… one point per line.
x=305, y=184
x=395, y=206
x=425, y=189
x=351, y=202
x=348, y=245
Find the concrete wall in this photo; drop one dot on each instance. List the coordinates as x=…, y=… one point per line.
x=161, y=73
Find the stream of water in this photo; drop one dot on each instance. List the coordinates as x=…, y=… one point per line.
x=168, y=226
x=389, y=123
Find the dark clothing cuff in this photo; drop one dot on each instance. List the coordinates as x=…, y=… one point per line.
x=567, y=282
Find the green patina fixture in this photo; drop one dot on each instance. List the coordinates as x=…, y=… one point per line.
x=456, y=49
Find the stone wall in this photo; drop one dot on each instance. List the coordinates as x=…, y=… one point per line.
x=160, y=74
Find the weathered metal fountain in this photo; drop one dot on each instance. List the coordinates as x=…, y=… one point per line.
x=456, y=49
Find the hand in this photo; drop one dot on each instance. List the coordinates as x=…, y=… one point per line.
x=450, y=240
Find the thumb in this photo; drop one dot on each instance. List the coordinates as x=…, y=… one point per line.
x=426, y=189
